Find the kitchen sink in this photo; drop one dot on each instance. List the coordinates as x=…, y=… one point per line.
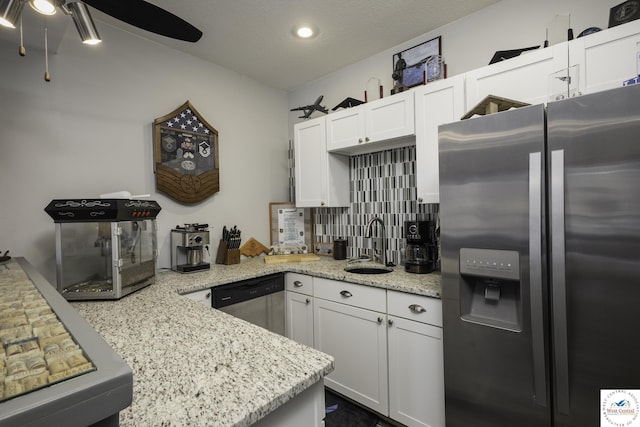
x=369, y=269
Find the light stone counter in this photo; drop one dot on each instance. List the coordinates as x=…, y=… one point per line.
x=193, y=365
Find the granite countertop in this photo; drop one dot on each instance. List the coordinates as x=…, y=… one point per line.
x=193, y=365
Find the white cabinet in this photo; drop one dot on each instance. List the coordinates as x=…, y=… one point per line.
x=348, y=327
x=372, y=126
x=440, y=102
x=299, y=308
x=607, y=58
x=203, y=297
x=416, y=368
x=524, y=78
x=321, y=178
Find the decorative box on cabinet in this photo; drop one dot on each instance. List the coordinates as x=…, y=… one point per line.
x=437, y=103
x=374, y=126
x=299, y=308
x=322, y=178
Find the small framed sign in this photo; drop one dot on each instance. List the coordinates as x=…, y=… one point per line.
x=290, y=225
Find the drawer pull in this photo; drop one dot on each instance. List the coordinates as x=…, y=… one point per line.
x=380, y=320
x=308, y=300
x=346, y=294
x=417, y=308
x=390, y=322
x=298, y=284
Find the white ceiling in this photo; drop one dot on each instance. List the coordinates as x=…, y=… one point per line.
x=254, y=37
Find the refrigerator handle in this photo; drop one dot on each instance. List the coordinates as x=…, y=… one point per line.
x=535, y=278
x=558, y=282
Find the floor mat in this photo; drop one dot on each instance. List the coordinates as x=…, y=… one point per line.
x=342, y=413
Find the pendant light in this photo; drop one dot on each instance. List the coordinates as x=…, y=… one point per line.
x=45, y=7
x=84, y=23
x=10, y=11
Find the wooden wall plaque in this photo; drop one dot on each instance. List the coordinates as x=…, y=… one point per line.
x=186, y=161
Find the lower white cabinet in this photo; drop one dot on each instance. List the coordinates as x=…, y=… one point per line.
x=357, y=339
x=387, y=345
x=416, y=367
x=299, y=308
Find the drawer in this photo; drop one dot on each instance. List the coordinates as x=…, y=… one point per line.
x=415, y=307
x=300, y=283
x=362, y=296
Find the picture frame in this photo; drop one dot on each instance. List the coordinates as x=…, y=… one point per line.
x=186, y=155
x=624, y=12
x=423, y=62
x=290, y=224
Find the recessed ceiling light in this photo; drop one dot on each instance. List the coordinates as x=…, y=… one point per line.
x=305, y=31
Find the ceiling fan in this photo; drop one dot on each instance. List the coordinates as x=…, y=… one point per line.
x=138, y=13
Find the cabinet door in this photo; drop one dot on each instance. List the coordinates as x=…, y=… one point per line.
x=310, y=163
x=607, y=58
x=357, y=339
x=524, y=78
x=345, y=128
x=390, y=118
x=416, y=373
x=299, y=318
x=436, y=103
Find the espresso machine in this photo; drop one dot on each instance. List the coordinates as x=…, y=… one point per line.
x=421, y=253
x=188, y=244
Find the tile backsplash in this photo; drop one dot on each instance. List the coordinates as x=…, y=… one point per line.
x=382, y=184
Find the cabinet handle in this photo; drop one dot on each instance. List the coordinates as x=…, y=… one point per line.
x=380, y=320
x=298, y=284
x=321, y=203
x=208, y=295
x=308, y=300
x=390, y=322
x=366, y=139
x=359, y=140
x=346, y=294
x=420, y=199
x=417, y=308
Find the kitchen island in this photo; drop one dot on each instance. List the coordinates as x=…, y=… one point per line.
x=193, y=365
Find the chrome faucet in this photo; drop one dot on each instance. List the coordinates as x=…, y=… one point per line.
x=367, y=234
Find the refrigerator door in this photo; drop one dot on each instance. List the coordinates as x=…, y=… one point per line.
x=595, y=250
x=491, y=174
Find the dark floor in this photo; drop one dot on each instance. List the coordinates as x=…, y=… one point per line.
x=342, y=413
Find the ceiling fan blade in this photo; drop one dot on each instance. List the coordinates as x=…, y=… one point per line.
x=149, y=17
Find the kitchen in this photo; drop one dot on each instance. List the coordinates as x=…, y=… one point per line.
x=70, y=140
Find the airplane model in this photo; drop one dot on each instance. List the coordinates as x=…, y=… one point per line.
x=309, y=109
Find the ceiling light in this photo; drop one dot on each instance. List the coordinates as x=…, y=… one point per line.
x=84, y=23
x=305, y=31
x=10, y=12
x=45, y=7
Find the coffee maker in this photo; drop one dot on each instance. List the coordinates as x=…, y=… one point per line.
x=188, y=244
x=421, y=253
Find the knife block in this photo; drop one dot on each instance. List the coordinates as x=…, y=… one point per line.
x=227, y=256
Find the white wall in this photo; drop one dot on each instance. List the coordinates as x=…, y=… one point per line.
x=467, y=44
x=89, y=131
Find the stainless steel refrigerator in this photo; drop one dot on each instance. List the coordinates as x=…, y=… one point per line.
x=540, y=239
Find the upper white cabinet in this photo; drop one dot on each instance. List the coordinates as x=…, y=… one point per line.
x=525, y=78
x=607, y=58
x=322, y=178
x=372, y=126
x=440, y=102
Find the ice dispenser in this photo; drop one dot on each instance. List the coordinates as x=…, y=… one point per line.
x=490, y=288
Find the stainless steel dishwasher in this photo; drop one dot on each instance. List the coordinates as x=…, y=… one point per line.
x=259, y=301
